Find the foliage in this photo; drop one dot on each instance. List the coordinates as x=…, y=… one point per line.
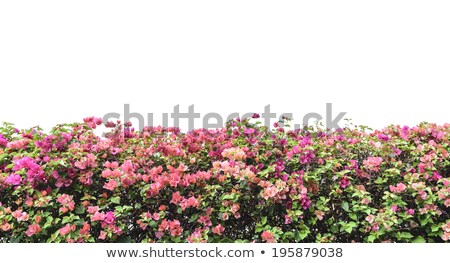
x=242, y=183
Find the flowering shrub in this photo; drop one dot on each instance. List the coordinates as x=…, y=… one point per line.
x=242, y=183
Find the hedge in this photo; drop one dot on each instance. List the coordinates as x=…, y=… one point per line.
x=243, y=183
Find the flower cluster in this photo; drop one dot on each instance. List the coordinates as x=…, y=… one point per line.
x=241, y=183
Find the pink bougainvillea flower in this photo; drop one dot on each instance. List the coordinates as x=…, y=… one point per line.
x=92, y=209
x=19, y=144
x=345, y=182
x=423, y=194
x=159, y=234
x=269, y=192
x=287, y=219
x=163, y=226
x=218, y=230
x=447, y=202
x=102, y=235
x=67, y=203
x=60, y=182
x=375, y=227
x=319, y=214
x=446, y=227
x=234, y=154
x=365, y=201
x=176, y=198
x=205, y=220
x=33, y=229
x=446, y=182
x=111, y=185
x=370, y=218
x=155, y=216
x=5, y=227
x=38, y=219
x=190, y=202
x=234, y=208
x=89, y=161
x=67, y=229
x=20, y=216
x=268, y=237
x=225, y=216
x=3, y=140
x=373, y=163
x=399, y=188
x=196, y=237
x=85, y=229
x=127, y=167
x=394, y=208
x=111, y=165
x=175, y=228
x=98, y=216
x=422, y=167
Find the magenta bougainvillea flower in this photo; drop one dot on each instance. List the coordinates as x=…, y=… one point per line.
x=13, y=179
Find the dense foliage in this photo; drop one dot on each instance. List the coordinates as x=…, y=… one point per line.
x=242, y=183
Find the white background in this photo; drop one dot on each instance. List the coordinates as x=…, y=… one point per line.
x=381, y=61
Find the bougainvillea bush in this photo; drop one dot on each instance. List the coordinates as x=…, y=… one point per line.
x=242, y=183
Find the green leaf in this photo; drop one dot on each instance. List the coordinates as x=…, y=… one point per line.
x=379, y=180
x=303, y=234
x=193, y=218
x=127, y=208
x=17, y=238
x=226, y=240
x=348, y=229
x=352, y=224
x=153, y=224
x=288, y=235
x=263, y=220
x=435, y=228
x=119, y=209
x=48, y=222
x=228, y=197
x=345, y=206
x=66, y=220
x=419, y=239
x=124, y=239
x=115, y=200
x=79, y=210
x=406, y=235
x=371, y=238
x=424, y=221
